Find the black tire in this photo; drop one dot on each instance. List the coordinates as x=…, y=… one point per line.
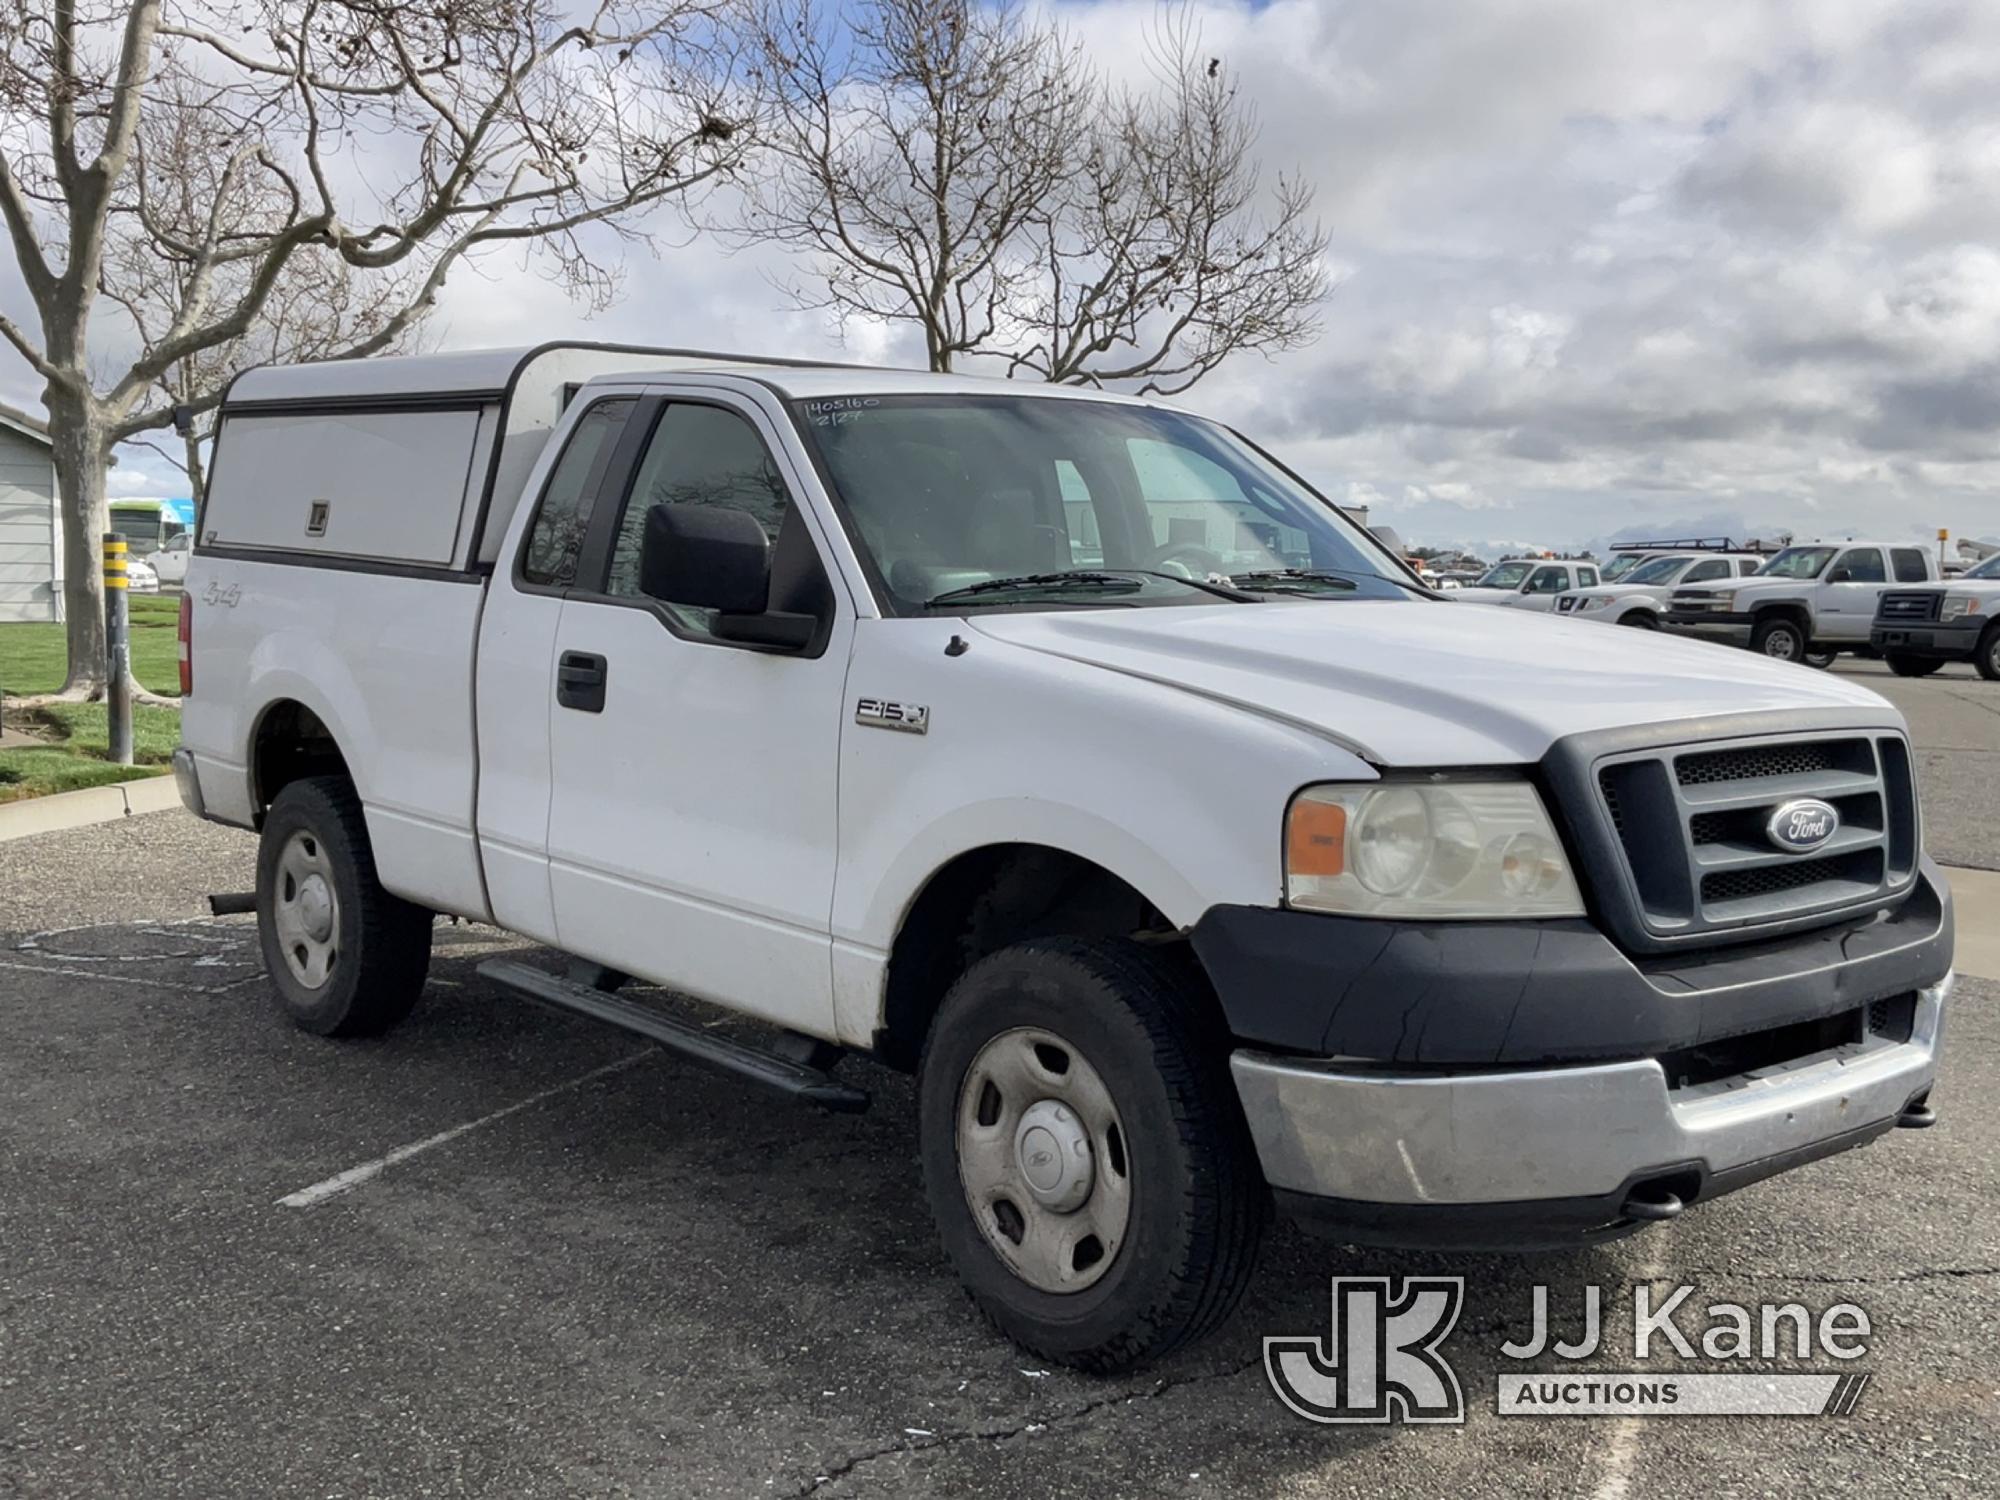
x=1640, y=619
x=1780, y=638
x=1819, y=661
x=1912, y=666
x=381, y=943
x=1143, y=1019
x=1986, y=656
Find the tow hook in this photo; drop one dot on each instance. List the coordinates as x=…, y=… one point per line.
x=1653, y=1203
x=1917, y=1116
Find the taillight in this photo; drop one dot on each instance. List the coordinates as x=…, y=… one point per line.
x=185, y=634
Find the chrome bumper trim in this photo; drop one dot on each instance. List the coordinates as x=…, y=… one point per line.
x=1377, y=1137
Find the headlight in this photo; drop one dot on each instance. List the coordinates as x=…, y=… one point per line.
x=1444, y=849
x=1958, y=606
x=1597, y=603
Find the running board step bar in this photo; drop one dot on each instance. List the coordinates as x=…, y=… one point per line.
x=767, y=1068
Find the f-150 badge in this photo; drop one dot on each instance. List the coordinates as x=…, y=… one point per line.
x=879, y=713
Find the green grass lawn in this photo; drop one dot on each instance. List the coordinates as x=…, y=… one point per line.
x=34, y=659
x=78, y=742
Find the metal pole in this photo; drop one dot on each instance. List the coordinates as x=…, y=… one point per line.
x=118, y=640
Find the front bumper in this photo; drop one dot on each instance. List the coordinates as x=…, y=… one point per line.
x=1952, y=640
x=1526, y=1084
x=1565, y=1148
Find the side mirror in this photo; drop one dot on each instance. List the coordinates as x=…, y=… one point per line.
x=709, y=556
x=716, y=557
x=1840, y=575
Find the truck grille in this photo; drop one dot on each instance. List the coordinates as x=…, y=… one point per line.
x=1694, y=599
x=1690, y=824
x=1916, y=604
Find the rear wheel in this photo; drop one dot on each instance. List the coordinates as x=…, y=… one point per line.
x=346, y=958
x=1640, y=619
x=1779, y=638
x=1987, y=656
x=1912, y=666
x=1084, y=1155
x=1819, y=661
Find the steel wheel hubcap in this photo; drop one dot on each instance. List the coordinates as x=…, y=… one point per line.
x=1042, y=1160
x=306, y=911
x=1780, y=645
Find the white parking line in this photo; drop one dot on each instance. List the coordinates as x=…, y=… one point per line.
x=1621, y=1444
x=353, y=1177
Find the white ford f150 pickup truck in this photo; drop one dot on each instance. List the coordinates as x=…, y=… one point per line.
x=1919, y=630
x=1069, y=751
x=1806, y=604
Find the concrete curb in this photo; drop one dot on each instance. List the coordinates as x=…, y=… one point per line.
x=94, y=804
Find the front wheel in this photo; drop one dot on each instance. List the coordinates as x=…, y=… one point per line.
x=346, y=958
x=1819, y=661
x=1779, y=639
x=1640, y=619
x=1912, y=666
x=1084, y=1154
x=1987, y=657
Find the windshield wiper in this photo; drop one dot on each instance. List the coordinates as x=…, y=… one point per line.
x=1338, y=577
x=1118, y=580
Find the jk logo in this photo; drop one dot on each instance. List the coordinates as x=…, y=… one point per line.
x=1380, y=1361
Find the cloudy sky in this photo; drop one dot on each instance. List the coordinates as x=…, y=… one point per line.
x=1726, y=264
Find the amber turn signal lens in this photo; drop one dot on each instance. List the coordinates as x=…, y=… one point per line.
x=1315, y=838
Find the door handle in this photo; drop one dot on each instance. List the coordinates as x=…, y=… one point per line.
x=580, y=678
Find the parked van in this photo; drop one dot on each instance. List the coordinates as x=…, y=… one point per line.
x=1196, y=864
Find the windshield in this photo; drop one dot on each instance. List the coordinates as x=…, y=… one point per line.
x=1622, y=564
x=1988, y=569
x=1506, y=576
x=1659, y=570
x=1798, y=562
x=944, y=494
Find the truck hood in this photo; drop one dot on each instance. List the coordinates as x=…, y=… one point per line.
x=1416, y=685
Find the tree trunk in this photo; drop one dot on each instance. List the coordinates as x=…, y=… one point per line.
x=81, y=461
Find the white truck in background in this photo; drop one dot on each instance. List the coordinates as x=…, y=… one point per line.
x=1639, y=598
x=915, y=716
x=1525, y=583
x=1806, y=604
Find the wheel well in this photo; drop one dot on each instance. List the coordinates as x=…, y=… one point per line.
x=291, y=743
x=988, y=899
x=1798, y=614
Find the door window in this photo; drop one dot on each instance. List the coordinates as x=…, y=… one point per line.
x=697, y=455
x=1910, y=564
x=1707, y=572
x=1749, y=566
x=555, y=541
x=1863, y=565
x=1548, y=581
x=1586, y=578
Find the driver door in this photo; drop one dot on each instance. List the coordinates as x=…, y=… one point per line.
x=1847, y=599
x=692, y=817
x=1540, y=591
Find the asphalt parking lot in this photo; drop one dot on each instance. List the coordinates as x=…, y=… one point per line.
x=607, y=1272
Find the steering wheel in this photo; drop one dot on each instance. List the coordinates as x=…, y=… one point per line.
x=1185, y=560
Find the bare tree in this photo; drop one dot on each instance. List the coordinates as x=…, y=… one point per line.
x=1160, y=257
x=912, y=143
x=318, y=307
x=393, y=140
x=959, y=167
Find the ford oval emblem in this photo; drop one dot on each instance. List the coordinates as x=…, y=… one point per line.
x=1801, y=826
